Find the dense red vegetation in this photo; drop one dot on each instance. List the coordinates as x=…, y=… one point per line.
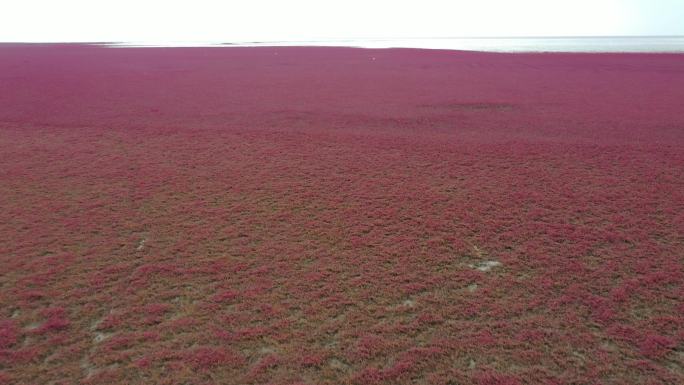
x=333, y=215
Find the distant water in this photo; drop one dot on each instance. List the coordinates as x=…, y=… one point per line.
x=518, y=44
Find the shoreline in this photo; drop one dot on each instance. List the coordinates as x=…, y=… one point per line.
x=551, y=44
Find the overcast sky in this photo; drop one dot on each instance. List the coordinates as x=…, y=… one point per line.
x=251, y=20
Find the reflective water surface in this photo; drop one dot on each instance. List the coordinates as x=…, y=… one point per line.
x=518, y=44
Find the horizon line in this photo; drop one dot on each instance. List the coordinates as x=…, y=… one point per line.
x=341, y=39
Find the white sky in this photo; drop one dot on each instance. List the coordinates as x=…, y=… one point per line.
x=252, y=20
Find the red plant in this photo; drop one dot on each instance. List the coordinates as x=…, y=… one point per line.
x=9, y=333
x=310, y=215
x=205, y=358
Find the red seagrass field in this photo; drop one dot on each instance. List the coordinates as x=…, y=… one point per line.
x=319, y=215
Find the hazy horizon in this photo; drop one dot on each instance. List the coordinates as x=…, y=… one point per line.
x=487, y=44
x=208, y=20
